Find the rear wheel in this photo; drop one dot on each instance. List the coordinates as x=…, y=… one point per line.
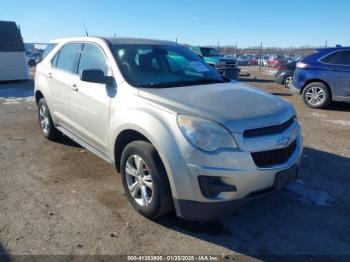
x=145, y=180
x=45, y=120
x=317, y=95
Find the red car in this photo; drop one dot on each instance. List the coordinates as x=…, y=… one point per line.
x=275, y=61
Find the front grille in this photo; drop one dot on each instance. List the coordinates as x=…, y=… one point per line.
x=266, y=159
x=269, y=130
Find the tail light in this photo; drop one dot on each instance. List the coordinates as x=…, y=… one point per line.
x=281, y=68
x=301, y=65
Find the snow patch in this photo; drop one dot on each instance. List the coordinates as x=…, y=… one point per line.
x=319, y=115
x=297, y=190
x=16, y=100
x=340, y=122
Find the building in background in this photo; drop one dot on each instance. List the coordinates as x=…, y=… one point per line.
x=13, y=65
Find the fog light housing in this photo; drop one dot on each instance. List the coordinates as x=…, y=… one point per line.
x=211, y=186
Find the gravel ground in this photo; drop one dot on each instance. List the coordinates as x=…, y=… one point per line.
x=57, y=198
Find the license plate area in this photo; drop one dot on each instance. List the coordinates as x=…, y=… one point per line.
x=285, y=177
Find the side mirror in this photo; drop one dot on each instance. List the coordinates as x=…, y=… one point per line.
x=95, y=76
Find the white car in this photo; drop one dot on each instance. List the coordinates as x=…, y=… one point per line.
x=181, y=135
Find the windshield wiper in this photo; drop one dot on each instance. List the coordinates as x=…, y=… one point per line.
x=206, y=81
x=184, y=83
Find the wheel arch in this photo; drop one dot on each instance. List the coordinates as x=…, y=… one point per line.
x=129, y=135
x=124, y=138
x=38, y=95
x=317, y=80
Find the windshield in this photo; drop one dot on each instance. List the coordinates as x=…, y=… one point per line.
x=207, y=51
x=162, y=66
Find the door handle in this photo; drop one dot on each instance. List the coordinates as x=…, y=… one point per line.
x=75, y=88
x=49, y=75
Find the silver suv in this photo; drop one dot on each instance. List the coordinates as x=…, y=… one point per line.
x=181, y=136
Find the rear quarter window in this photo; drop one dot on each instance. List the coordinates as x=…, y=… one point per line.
x=337, y=58
x=48, y=49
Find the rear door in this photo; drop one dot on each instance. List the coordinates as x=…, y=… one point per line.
x=89, y=102
x=61, y=79
x=338, y=64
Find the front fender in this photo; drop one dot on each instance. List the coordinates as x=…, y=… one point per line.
x=163, y=133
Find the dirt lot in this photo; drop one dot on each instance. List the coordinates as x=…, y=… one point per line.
x=57, y=198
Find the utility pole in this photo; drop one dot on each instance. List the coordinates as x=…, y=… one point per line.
x=326, y=44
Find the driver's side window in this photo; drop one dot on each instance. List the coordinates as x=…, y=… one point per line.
x=92, y=58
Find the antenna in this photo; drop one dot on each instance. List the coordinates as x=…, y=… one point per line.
x=86, y=32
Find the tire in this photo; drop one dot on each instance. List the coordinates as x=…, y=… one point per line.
x=288, y=81
x=151, y=171
x=317, y=95
x=48, y=128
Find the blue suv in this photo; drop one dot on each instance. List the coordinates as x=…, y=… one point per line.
x=323, y=77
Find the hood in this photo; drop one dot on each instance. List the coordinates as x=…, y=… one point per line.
x=215, y=59
x=235, y=105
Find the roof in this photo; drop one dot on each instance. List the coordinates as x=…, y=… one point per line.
x=11, y=39
x=117, y=40
x=330, y=49
x=136, y=41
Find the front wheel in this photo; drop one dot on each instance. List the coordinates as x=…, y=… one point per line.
x=317, y=95
x=145, y=180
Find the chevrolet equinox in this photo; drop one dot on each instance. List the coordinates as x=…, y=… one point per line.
x=182, y=136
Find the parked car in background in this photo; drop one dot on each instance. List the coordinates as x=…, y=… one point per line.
x=181, y=135
x=225, y=66
x=323, y=77
x=285, y=74
x=263, y=60
x=275, y=61
x=254, y=60
x=243, y=60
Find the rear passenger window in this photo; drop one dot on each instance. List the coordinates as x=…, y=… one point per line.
x=338, y=58
x=92, y=58
x=67, y=58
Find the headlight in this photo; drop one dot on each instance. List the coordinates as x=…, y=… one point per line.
x=205, y=134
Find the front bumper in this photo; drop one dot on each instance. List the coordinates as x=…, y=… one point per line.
x=230, y=73
x=238, y=170
x=201, y=211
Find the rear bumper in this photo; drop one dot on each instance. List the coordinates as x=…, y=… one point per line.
x=294, y=90
x=279, y=79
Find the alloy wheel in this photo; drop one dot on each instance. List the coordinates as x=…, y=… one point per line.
x=139, y=180
x=315, y=95
x=289, y=81
x=44, y=119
